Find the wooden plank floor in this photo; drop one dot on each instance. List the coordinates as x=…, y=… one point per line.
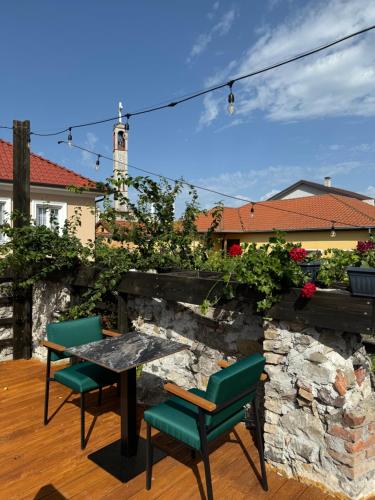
x=47, y=462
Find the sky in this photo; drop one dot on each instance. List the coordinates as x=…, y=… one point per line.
x=70, y=62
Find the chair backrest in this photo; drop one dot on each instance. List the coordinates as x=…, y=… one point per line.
x=74, y=332
x=228, y=384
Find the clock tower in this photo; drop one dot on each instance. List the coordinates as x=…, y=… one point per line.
x=120, y=159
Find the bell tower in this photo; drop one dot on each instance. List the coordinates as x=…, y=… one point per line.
x=120, y=158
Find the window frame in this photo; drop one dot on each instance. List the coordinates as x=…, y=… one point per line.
x=61, y=205
x=8, y=210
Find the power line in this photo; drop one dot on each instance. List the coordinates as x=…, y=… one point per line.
x=202, y=188
x=200, y=93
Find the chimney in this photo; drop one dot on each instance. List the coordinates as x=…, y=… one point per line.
x=327, y=182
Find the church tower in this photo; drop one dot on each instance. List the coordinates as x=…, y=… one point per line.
x=120, y=158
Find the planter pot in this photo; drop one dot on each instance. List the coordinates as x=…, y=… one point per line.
x=311, y=268
x=362, y=281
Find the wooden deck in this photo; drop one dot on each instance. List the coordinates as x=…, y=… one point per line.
x=47, y=462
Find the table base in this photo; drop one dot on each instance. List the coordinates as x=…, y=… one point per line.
x=123, y=468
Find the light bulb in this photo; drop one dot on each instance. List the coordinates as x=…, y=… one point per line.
x=231, y=103
x=97, y=163
x=333, y=232
x=127, y=123
x=252, y=211
x=70, y=138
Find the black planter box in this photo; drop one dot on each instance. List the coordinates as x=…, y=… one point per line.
x=311, y=268
x=362, y=281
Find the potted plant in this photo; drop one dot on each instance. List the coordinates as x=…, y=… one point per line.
x=362, y=274
x=308, y=262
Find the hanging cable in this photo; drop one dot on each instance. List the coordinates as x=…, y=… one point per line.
x=215, y=87
x=213, y=191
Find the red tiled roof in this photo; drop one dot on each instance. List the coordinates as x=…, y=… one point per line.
x=294, y=215
x=42, y=171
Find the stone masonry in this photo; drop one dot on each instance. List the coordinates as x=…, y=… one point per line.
x=221, y=333
x=320, y=408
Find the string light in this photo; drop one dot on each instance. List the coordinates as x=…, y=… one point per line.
x=216, y=87
x=230, y=99
x=252, y=210
x=126, y=126
x=333, y=231
x=237, y=198
x=70, y=137
x=97, y=163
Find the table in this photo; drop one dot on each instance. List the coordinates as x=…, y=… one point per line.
x=126, y=458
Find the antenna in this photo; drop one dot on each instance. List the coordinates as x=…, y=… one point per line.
x=120, y=108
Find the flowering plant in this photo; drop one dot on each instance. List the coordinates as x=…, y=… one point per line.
x=365, y=246
x=235, y=250
x=298, y=254
x=308, y=290
x=365, y=252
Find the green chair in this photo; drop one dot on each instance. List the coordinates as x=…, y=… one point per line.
x=198, y=417
x=80, y=377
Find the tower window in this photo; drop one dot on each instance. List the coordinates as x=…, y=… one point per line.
x=121, y=140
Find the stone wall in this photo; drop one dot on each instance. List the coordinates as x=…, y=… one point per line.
x=221, y=333
x=320, y=408
x=50, y=299
x=6, y=332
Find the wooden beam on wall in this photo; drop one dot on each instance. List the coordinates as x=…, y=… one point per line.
x=326, y=309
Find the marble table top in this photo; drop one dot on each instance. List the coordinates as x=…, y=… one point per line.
x=126, y=351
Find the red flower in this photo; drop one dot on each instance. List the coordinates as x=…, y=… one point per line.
x=365, y=246
x=235, y=250
x=297, y=254
x=308, y=290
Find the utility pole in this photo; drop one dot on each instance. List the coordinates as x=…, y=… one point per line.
x=22, y=300
x=21, y=172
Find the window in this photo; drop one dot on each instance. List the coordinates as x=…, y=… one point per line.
x=51, y=215
x=5, y=210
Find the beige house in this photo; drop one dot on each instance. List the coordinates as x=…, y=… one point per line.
x=50, y=199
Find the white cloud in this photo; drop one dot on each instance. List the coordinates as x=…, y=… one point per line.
x=88, y=159
x=371, y=191
x=211, y=110
x=336, y=82
x=364, y=148
x=335, y=147
x=269, y=194
x=215, y=7
x=221, y=28
x=261, y=184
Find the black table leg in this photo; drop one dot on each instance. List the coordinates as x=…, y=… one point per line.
x=126, y=458
x=128, y=409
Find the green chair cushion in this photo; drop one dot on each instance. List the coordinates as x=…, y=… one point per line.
x=74, y=332
x=86, y=376
x=179, y=419
x=226, y=384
